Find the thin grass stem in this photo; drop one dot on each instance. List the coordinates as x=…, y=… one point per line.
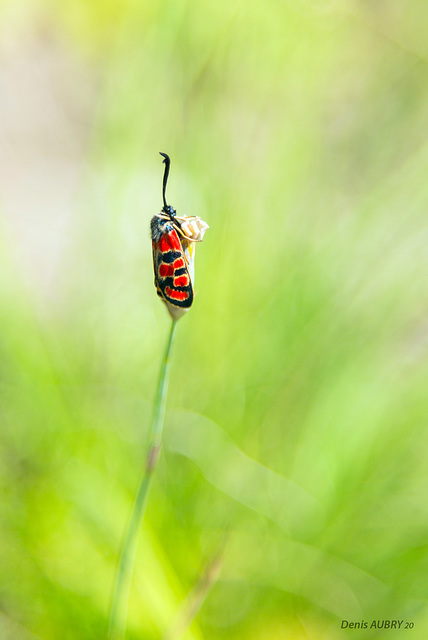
x=119, y=605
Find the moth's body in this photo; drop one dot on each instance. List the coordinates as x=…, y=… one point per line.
x=173, y=239
x=172, y=277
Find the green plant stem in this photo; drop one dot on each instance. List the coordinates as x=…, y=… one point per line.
x=119, y=605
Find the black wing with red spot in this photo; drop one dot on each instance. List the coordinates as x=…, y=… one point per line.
x=172, y=277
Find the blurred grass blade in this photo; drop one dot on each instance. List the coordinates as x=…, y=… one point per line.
x=119, y=607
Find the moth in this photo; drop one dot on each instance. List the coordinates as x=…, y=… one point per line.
x=173, y=239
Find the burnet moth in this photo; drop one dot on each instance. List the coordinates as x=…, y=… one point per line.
x=173, y=250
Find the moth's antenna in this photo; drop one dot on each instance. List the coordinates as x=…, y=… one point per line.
x=167, y=162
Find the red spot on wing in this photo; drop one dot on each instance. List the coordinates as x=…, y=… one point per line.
x=170, y=242
x=181, y=281
x=166, y=270
x=176, y=295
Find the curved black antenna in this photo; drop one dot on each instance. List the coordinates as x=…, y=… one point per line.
x=167, y=162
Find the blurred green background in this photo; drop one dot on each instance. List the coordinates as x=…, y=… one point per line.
x=292, y=490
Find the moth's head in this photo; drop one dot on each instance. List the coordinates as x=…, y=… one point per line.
x=169, y=211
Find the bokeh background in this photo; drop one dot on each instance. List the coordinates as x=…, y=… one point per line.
x=292, y=490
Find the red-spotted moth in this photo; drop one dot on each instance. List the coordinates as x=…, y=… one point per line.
x=173, y=252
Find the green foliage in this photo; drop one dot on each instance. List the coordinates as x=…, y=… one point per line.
x=295, y=437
